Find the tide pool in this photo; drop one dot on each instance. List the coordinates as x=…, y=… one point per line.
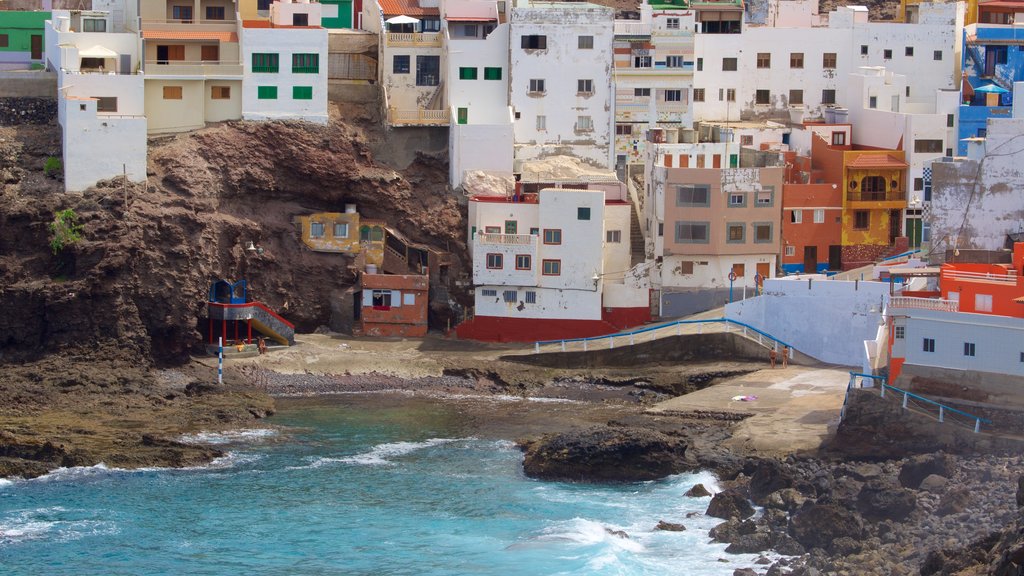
x=353, y=486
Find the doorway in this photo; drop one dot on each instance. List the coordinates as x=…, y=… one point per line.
x=764, y=269
x=895, y=219
x=37, y=47
x=810, y=259
x=835, y=257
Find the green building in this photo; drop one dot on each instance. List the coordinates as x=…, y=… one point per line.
x=21, y=38
x=346, y=13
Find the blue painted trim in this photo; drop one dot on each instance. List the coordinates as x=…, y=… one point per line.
x=669, y=325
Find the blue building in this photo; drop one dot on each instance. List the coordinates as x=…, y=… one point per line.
x=992, y=62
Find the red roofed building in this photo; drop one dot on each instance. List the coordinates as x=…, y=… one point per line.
x=393, y=305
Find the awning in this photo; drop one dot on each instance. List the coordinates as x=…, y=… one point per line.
x=403, y=19
x=991, y=89
x=97, y=52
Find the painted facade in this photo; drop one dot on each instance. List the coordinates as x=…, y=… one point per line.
x=21, y=39
x=393, y=305
x=992, y=62
x=986, y=288
x=812, y=205
x=561, y=81
x=343, y=233
x=875, y=195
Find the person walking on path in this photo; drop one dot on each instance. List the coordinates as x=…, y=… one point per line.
x=785, y=356
x=771, y=356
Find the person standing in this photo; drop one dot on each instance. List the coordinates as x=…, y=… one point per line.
x=772, y=356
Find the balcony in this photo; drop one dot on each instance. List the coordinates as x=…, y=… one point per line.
x=924, y=304
x=632, y=28
x=507, y=239
x=186, y=68
x=1008, y=278
x=193, y=25
x=869, y=200
x=413, y=39
x=418, y=117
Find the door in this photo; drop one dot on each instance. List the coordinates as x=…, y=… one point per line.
x=716, y=161
x=164, y=53
x=764, y=269
x=126, y=64
x=210, y=53
x=810, y=259
x=835, y=257
x=895, y=218
x=913, y=228
x=37, y=47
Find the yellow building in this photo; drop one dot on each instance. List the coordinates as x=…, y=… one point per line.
x=876, y=194
x=344, y=233
x=909, y=11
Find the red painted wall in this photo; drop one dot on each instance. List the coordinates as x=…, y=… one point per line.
x=625, y=318
x=807, y=233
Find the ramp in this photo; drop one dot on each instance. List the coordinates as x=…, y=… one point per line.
x=260, y=317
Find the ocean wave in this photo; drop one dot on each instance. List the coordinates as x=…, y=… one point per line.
x=50, y=524
x=584, y=532
x=74, y=473
x=5, y=482
x=381, y=454
x=229, y=436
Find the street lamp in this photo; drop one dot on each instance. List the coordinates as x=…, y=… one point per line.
x=914, y=203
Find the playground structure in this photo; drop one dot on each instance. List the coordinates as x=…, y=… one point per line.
x=233, y=317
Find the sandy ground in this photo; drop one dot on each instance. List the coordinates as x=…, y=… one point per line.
x=796, y=409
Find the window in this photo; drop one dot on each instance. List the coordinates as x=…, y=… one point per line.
x=183, y=13
x=661, y=229
x=467, y=73
x=764, y=60
x=695, y=195
x=340, y=230
x=796, y=60
x=762, y=232
x=209, y=53
x=762, y=97
x=872, y=102
x=585, y=42
x=552, y=236
x=542, y=122
x=488, y=292
x=863, y=49
x=585, y=86
x=740, y=270
x=730, y=94
x=431, y=24
x=983, y=302
x=918, y=184
x=937, y=55
x=968, y=348
x=934, y=146
x=172, y=92
x=685, y=267
x=673, y=95
x=300, y=19
x=428, y=70
x=828, y=60
x=220, y=92
x=5, y=41
x=264, y=62
x=672, y=23
x=950, y=120
x=736, y=233
x=839, y=138
x=613, y=236
x=534, y=231
x=737, y=200
x=534, y=42
x=887, y=54
x=900, y=332
x=263, y=5
x=746, y=140
x=510, y=296
x=766, y=196
x=828, y=96
x=214, y=12
x=728, y=64
x=266, y=92
x=790, y=250
x=492, y=229
x=796, y=97
x=583, y=213
x=908, y=51
x=531, y=297
x=492, y=73
x=381, y=298
x=698, y=94
x=929, y=344
x=551, y=267
x=302, y=92
x=700, y=64
x=469, y=30
x=305, y=63
x=584, y=124
x=97, y=25
x=819, y=216
x=537, y=85
x=623, y=129
x=674, y=62
x=796, y=216
x=641, y=62
x=522, y=261
x=692, y=232
x=400, y=64
x=494, y=261
x=316, y=229
x=641, y=92
x=861, y=220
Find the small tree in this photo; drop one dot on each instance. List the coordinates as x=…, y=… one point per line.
x=65, y=230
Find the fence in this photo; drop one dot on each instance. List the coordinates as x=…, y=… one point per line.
x=911, y=401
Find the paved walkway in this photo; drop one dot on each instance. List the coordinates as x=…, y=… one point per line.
x=796, y=409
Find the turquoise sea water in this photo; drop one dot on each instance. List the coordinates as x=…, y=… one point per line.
x=347, y=486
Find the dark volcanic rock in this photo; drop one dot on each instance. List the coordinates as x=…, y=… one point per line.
x=881, y=501
x=670, y=526
x=916, y=469
x=770, y=475
x=698, y=491
x=730, y=504
x=954, y=502
x=1020, y=491
x=605, y=454
x=750, y=543
x=818, y=526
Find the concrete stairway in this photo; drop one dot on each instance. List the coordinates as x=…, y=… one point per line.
x=636, y=237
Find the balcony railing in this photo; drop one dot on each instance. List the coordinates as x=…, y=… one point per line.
x=890, y=196
x=419, y=116
x=507, y=239
x=924, y=304
x=411, y=39
x=195, y=25
x=192, y=68
x=1009, y=278
x=632, y=28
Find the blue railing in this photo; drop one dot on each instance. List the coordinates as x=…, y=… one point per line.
x=898, y=256
x=943, y=410
x=678, y=323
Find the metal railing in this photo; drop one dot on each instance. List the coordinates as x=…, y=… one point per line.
x=193, y=68
x=1009, y=278
x=418, y=116
x=924, y=303
x=414, y=39
x=677, y=328
x=514, y=239
x=890, y=196
x=911, y=401
x=195, y=24
x=632, y=28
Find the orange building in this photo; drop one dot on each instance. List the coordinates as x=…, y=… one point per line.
x=393, y=305
x=876, y=195
x=812, y=209
x=986, y=288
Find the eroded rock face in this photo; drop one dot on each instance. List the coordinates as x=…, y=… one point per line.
x=770, y=476
x=916, y=469
x=605, y=454
x=819, y=525
x=730, y=504
x=881, y=501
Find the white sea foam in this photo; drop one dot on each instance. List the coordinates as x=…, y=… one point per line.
x=5, y=482
x=48, y=524
x=229, y=460
x=229, y=436
x=584, y=532
x=381, y=454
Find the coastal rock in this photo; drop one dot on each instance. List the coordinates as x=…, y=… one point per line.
x=917, y=468
x=670, y=526
x=819, y=525
x=1020, y=491
x=954, y=502
x=864, y=471
x=768, y=477
x=744, y=572
x=732, y=529
x=787, y=499
x=880, y=501
x=698, y=491
x=605, y=454
x=786, y=545
x=750, y=543
x=934, y=483
x=730, y=504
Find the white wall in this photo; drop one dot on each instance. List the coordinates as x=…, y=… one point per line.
x=998, y=340
x=284, y=42
x=479, y=147
x=100, y=146
x=553, y=304
x=712, y=271
x=580, y=250
x=826, y=319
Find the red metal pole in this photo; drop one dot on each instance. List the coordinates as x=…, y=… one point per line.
x=249, y=325
x=210, y=331
x=224, y=328
x=236, y=330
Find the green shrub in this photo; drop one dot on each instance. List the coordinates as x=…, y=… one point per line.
x=65, y=230
x=53, y=167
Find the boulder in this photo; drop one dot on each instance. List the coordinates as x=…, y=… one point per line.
x=882, y=501
x=787, y=499
x=768, y=477
x=669, y=526
x=732, y=529
x=698, y=491
x=917, y=468
x=605, y=454
x=863, y=471
x=954, y=502
x=750, y=543
x=819, y=525
x=1020, y=491
x=934, y=483
x=786, y=545
x=728, y=504
x=744, y=572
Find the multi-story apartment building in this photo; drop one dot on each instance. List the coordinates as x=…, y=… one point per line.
x=561, y=81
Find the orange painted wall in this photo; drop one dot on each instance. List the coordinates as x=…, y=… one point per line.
x=1003, y=293
x=807, y=233
x=403, y=320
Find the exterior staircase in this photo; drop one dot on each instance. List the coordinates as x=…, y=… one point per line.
x=259, y=315
x=636, y=237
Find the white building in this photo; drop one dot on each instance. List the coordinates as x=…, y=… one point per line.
x=100, y=98
x=285, y=64
x=561, y=81
x=476, y=62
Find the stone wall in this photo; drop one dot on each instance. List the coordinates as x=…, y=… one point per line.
x=15, y=111
x=24, y=83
